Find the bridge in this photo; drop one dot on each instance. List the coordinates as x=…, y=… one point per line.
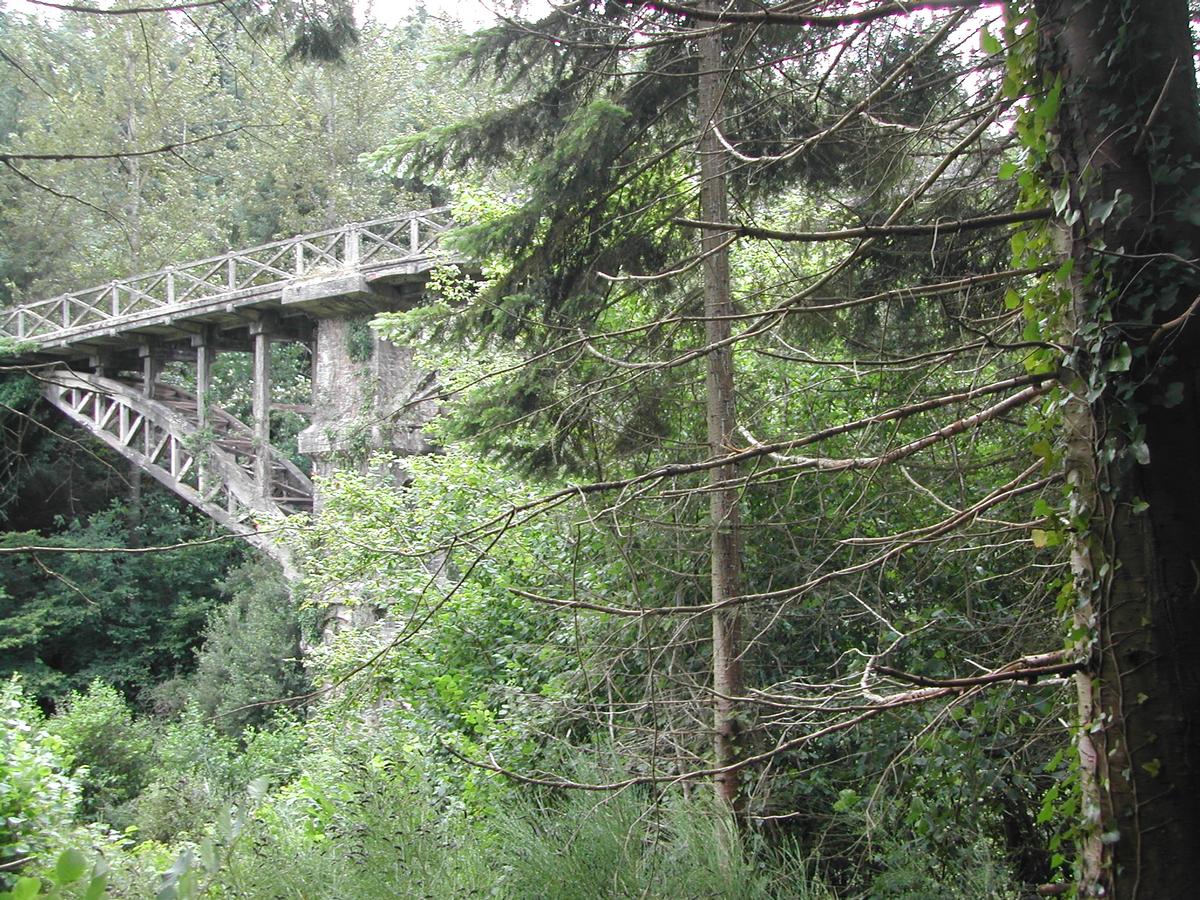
x=104, y=349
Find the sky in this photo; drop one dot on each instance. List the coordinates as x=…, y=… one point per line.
x=472, y=13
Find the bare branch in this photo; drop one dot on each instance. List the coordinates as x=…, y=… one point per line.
x=864, y=231
x=768, y=16
x=127, y=10
x=123, y=154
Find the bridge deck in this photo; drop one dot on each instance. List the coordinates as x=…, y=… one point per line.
x=354, y=256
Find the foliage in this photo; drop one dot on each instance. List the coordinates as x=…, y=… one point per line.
x=38, y=799
x=250, y=655
x=628, y=845
x=537, y=592
x=196, y=771
x=263, y=149
x=131, y=619
x=109, y=750
x=462, y=654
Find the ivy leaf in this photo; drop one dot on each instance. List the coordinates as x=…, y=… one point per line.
x=1173, y=394
x=1121, y=360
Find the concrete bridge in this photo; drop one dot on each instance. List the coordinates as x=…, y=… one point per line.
x=107, y=347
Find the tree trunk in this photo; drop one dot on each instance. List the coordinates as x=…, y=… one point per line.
x=721, y=417
x=1128, y=123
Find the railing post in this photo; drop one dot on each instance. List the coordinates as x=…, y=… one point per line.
x=115, y=301
x=170, y=287
x=351, y=247
x=21, y=324
x=298, y=249
x=414, y=235
x=66, y=311
x=231, y=272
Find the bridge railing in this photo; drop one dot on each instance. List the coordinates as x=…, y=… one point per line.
x=254, y=270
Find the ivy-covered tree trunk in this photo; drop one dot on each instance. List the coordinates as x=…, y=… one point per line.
x=721, y=417
x=1127, y=137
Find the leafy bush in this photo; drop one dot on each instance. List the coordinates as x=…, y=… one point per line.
x=132, y=620
x=251, y=650
x=197, y=770
x=110, y=750
x=38, y=799
x=351, y=828
x=189, y=778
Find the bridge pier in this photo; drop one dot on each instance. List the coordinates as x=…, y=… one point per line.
x=368, y=395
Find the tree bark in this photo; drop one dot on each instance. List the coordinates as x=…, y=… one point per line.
x=721, y=421
x=1127, y=130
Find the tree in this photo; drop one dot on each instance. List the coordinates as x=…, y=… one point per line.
x=133, y=142
x=721, y=422
x=1110, y=125
x=1124, y=174
x=866, y=327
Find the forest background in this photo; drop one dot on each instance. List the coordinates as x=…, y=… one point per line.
x=780, y=416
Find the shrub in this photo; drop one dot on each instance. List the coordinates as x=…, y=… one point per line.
x=110, y=750
x=251, y=651
x=38, y=799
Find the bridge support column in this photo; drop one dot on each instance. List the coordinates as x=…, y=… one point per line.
x=261, y=332
x=368, y=395
x=205, y=356
x=152, y=366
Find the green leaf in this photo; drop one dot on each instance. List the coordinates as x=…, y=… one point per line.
x=1121, y=360
x=97, y=888
x=989, y=42
x=70, y=866
x=25, y=889
x=846, y=801
x=1173, y=394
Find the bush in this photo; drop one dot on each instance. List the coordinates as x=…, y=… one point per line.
x=38, y=799
x=251, y=651
x=189, y=778
x=354, y=829
x=197, y=771
x=110, y=750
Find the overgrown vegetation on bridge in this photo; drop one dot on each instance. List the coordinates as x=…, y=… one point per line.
x=814, y=508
